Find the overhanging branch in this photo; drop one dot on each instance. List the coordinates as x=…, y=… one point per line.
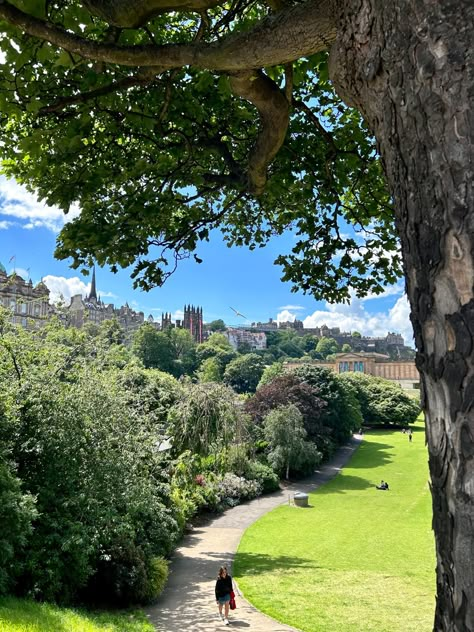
x=292, y=33
x=274, y=111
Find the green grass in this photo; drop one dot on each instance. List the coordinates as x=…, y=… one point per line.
x=21, y=615
x=356, y=560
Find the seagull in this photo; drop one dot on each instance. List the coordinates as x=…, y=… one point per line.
x=238, y=313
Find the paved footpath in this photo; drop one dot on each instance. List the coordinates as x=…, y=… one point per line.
x=188, y=601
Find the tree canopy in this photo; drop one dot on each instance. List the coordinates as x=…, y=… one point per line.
x=165, y=121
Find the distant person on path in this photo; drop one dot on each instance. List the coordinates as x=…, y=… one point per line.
x=410, y=436
x=223, y=590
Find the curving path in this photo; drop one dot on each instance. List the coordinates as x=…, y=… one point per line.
x=188, y=600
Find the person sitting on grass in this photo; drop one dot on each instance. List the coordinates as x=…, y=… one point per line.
x=383, y=485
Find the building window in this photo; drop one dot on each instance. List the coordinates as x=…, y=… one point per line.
x=343, y=367
x=359, y=367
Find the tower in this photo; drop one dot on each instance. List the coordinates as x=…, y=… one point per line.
x=93, y=292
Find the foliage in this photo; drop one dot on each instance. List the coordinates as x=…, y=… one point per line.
x=17, y=513
x=289, y=389
x=270, y=373
x=342, y=414
x=326, y=347
x=210, y=370
x=286, y=436
x=204, y=419
x=243, y=374
x=85, y=447
x=217, y=325
x=126, y=575
x=232, y=489
x=382, y=401
x=266, y=477
x=172, y=350
x=150, y=392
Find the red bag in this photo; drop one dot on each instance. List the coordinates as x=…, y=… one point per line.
x=232, y=601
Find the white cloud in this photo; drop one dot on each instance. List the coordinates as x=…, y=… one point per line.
x=355, y=317
x=291, y=307
x=16, y=201
x=66, y=288
x=177, y=315
x=285, y=316
x=5, y=224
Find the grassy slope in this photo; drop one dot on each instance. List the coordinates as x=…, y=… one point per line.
x=358, y=559
x=21, y=615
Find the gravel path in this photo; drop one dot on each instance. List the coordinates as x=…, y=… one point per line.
x=188, y=600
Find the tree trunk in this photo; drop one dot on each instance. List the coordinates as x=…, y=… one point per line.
x=408, y=66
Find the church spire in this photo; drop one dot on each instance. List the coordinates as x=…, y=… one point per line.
x=93, y=293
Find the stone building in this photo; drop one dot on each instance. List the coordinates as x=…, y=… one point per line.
x=92, y=309
x=377, y=364
x=29, y=305
x=238, y=337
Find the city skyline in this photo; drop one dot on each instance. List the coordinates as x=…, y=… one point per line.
x=246, y=280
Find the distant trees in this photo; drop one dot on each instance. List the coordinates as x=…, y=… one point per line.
x=382, y=402
x=326, y=347
x=172, y=350
x=243, y=374
x=217, y=325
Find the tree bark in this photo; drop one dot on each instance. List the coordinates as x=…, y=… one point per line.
x=408, y=66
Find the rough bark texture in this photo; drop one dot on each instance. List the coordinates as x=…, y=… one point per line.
x=408, y=66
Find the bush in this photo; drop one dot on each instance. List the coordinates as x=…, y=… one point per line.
x=264, y=474
x=158, y=572
x=126, y=575
x=232, y=489
x=17, y=511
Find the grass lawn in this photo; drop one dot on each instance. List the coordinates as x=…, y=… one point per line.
x=357, y=559
x=21, y=615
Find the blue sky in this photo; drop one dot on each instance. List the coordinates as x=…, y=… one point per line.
x=246, y=280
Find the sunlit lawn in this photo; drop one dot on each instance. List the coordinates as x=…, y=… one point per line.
x=358, y=559
x=20, y=615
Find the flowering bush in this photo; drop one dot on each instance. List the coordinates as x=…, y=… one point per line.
x=231, y=488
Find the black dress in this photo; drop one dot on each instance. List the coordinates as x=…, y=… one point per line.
x=223, y=586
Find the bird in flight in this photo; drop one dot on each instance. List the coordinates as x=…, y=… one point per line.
x=238, y=313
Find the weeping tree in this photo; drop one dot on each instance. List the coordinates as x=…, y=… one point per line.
x=205, y=418
x=165, y=119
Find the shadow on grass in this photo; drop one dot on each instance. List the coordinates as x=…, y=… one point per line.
x=376, y=455
x=258, y=563
x=345, y=483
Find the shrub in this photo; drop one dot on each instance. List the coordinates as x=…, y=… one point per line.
x=264, y=474
x=17, y=511
x=127, y=575
x=158, y=571
x=232, y=489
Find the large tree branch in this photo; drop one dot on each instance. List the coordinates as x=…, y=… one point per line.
x=126, y=14
x=278, y=39
x=274, y=111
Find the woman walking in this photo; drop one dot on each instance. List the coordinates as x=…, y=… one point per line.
x=223, y=590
